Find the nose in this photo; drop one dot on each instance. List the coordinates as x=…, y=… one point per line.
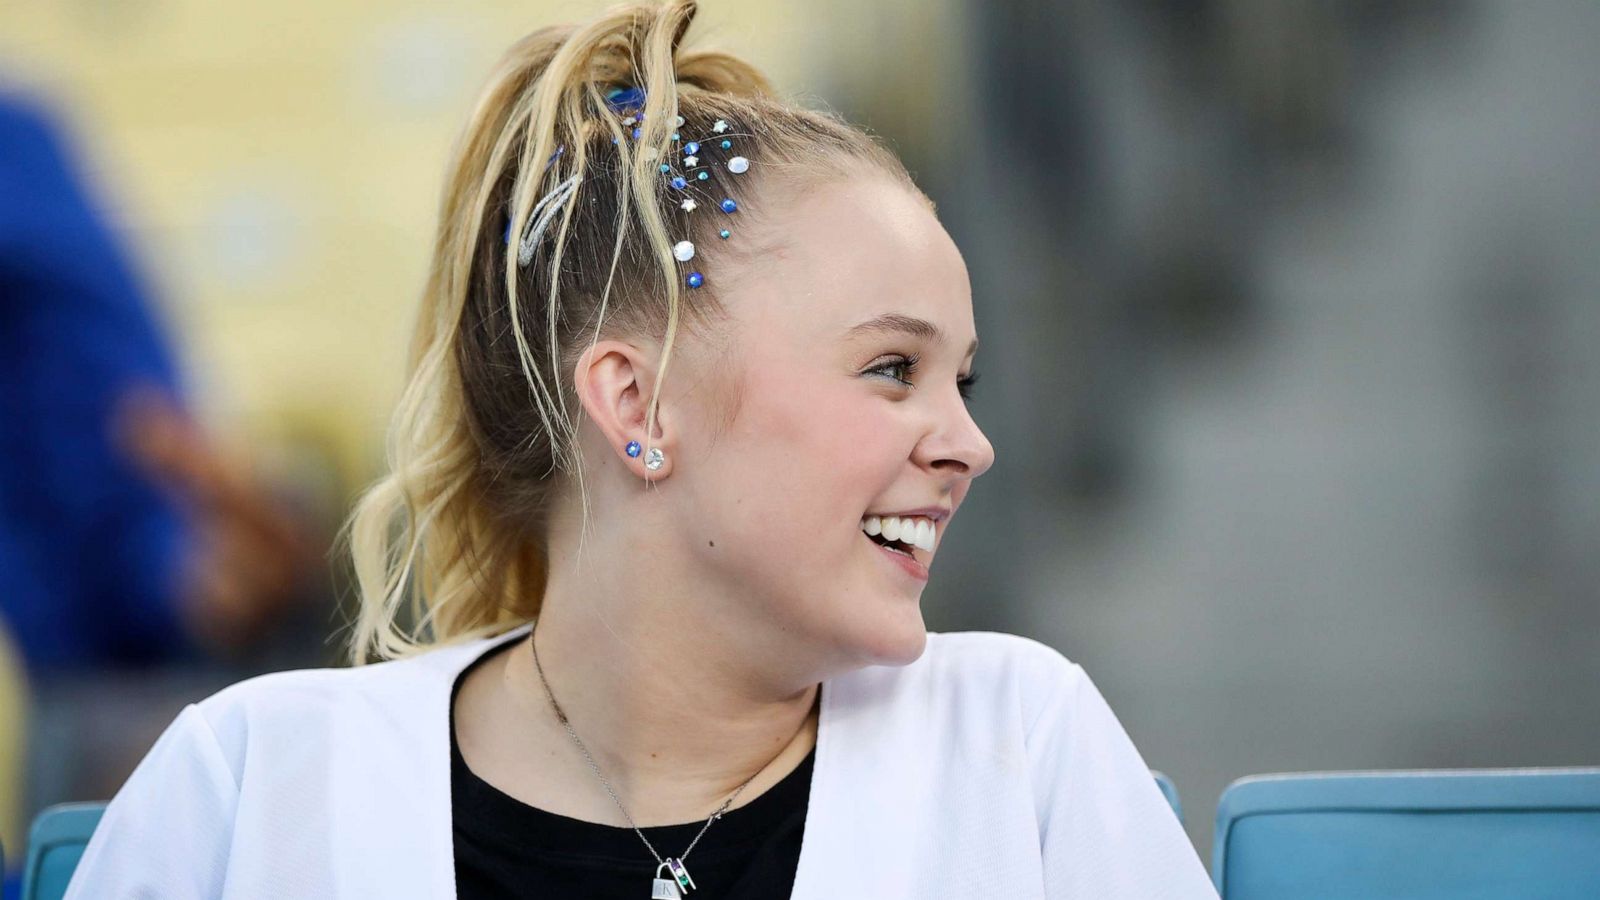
x=955, y=447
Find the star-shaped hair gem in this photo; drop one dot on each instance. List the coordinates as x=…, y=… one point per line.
x=688, y=206
x=720, y=127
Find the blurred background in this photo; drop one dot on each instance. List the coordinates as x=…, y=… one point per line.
x=1289, y=314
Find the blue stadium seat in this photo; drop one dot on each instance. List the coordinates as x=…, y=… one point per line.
x=1170, y=791
x=55, y=843
x=1471, y=833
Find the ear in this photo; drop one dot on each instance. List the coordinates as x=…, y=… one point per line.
x=614, y=380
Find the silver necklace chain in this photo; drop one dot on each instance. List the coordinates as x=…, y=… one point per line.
x=593, y=767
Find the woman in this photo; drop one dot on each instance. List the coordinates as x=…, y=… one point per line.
x=666, y=626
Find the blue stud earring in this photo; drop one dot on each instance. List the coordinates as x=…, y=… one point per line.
x=633, y=448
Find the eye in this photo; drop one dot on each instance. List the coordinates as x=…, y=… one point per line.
x=908, y=366
x=906, y=363
x=964, y=385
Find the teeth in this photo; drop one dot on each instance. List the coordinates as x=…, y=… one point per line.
x=914, y=530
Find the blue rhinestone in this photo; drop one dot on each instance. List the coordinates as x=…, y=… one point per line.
x=727, y=144
x=729, y=206
x=704, y=175
x=633, y=448
x=637, y=132
x=724, y=233
x=679, y=183
x=691, y=148
x=674, y=135
x=695, y=279
x=665, y=167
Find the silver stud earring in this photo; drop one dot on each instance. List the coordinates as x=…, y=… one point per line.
x=654, y=459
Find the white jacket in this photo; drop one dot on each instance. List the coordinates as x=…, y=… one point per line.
x=989, y=769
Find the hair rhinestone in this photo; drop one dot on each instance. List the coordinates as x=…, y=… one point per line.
x=695, y=279
x=679, y=183
x=724, y=234
x=738, y=165
x=703, y=176
x=729, y=206
x=683, y=251
x=691, y=148
x=727, y=144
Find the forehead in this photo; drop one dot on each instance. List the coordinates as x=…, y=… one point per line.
x=846, y=251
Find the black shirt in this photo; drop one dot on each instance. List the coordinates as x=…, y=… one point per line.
x=505, y=848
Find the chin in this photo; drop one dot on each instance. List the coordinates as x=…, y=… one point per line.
x=900, y=645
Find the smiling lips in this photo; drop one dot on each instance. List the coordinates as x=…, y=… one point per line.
x=902, y=532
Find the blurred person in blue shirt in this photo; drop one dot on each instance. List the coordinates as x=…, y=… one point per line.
x=125, y=539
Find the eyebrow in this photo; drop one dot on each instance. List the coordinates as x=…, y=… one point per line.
x=899, y=323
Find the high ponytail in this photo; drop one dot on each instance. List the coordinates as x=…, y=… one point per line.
x=450, y=544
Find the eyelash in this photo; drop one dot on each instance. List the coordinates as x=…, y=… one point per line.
x=909, y=363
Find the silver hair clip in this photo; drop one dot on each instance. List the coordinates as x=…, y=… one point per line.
x=543, y=214
x=629, y=104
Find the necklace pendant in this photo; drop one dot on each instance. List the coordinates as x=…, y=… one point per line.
x=670, y=888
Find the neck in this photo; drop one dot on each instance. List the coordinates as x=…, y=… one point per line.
x=675, y=714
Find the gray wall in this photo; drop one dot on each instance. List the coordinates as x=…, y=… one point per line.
x=1289, y=319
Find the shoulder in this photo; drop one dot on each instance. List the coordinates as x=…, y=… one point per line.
x=980, y=682
x=1031, y=672
x=989, y=652
x=384, y=700
x=306, y=690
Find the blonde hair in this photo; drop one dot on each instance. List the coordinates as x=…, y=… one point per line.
x=483, y=441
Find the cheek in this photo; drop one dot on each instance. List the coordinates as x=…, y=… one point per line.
x=804, y=459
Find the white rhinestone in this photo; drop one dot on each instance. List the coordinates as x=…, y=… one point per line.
x=683, y=251
x=738, y=165
x=720, y=127
x=678, y=121
x=688, y=206
x=691, y=160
